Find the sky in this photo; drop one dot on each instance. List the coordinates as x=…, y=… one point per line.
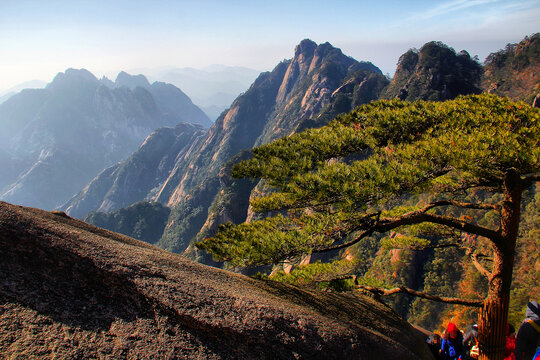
x=39, y=38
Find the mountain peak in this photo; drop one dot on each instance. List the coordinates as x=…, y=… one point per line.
x=435, y=72
x=107, y=82
x=73, y=75
x=306, y=47
x=324, y=47
x=80, y=73
x=131, y=81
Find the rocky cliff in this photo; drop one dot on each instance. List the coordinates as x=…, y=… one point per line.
x=139, y=176
x=514, y=71
x=309, y=90
x=72, y=290
x=435, y=72
x=53, y=141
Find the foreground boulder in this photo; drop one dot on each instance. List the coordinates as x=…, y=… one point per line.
x=72, y=290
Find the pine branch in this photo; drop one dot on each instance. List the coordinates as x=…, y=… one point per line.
x=481, y=269
x=411, y=218
x=469, y=252
x=487, y=258
x=347, y=244
x=420, y=216
x=405, y=290
x=479, y=266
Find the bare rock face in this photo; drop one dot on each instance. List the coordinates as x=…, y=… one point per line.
x=133, y=179
x=513, y=72
x=72, y=290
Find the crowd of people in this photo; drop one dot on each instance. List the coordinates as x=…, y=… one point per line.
x=457, y=345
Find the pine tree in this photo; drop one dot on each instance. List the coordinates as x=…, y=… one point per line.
x=336, y=185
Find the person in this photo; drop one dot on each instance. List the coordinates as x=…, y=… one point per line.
x=528, y=333
x=470, y=341
x=434, y=344
x=510, y=343
x=536, y=355
x=452, y=343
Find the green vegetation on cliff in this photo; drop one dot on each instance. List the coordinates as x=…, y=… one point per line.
x=143, y=221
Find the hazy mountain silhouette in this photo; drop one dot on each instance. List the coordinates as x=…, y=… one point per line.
x=212, y=88
x=32, y=84
x=53, y=141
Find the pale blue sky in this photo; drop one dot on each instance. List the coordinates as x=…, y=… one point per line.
x=39, y=38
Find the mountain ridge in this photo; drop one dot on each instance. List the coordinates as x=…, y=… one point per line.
x=160, y=143
x=309, y=90
x=513, y=71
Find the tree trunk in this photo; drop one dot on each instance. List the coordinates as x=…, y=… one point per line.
x=492, y=327
x=493, y=318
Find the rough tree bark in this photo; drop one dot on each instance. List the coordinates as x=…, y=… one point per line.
x=494, y=315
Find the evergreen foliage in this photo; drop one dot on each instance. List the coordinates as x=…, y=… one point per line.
x=143, y=220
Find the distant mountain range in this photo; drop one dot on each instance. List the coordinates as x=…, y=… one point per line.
x=54, y=140
x=212, y=88
x=32, y=84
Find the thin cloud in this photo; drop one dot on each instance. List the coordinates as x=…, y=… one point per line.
x=451, y=6
x=514, y=7
x=466, y=16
